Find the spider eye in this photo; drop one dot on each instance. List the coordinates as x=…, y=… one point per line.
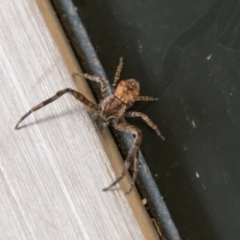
x=131, y=85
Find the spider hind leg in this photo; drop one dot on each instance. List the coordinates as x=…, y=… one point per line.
x=133, y=153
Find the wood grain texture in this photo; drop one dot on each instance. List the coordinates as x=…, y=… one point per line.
x=52, y=170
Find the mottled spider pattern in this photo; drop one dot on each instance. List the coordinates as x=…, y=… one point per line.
x=112, y=109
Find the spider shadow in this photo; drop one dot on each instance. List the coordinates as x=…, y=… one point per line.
x=50, y=118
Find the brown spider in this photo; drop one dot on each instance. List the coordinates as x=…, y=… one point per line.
x=112, y=109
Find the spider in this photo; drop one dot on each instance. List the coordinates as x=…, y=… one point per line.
x=112, y=109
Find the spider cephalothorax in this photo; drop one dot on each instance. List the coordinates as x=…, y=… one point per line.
x=127, y=91
x=112, y=109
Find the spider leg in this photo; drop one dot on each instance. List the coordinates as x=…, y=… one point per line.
x=145, y=98
x=95, y=79
x=125, y=127
x=135, y=171
x=76, y=94
x=117, y=74
x=141, y=98
x=147, y=120
x=119, y=178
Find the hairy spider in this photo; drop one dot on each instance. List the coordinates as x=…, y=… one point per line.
x=112, y=109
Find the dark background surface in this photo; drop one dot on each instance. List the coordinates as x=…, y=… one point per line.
x=187, y=54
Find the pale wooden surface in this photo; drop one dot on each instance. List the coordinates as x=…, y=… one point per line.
x=53, y=169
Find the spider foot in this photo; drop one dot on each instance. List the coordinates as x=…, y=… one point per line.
x=130, y=189
x=17, y=125
x=161, y=136
x=110, y=188
x=118, y=179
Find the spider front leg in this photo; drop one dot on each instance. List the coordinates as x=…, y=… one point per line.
x=74, y=93
x=133, y=153
x=95, y=79
x=117, y=74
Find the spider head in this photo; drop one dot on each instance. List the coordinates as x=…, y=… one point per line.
x=127, y=90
